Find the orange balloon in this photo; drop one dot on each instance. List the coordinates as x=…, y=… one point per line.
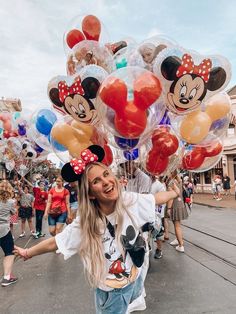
x=91, y=27
x=195, y=127
x=218, y=106
x=75, y=140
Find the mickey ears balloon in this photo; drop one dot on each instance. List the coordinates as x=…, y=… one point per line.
x=73, y=170
x=189, y=78
x=127, y=94
x=88, y=27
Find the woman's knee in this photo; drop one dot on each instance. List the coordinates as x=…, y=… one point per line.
x=52, y=231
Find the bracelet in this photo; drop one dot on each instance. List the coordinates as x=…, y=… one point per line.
x=169, y=208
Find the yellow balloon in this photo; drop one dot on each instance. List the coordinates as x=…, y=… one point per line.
x=195, y=127
x=218, y=106
x=75, y=140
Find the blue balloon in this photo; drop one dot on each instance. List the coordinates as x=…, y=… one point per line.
x=126, y=143
x=45, y=120
x=56, y=145
x=21, y=129
x=131, y=154
x=38, y=149
x=165, y=119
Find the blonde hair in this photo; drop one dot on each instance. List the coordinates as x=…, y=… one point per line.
x=6, y=191
x=93, y=225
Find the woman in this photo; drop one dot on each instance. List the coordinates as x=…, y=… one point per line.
x=177, y=212
x=58, y=207
x=107, y=236
x=7, y=207
x=40, y=201
x=26, y=211
x=226, y=184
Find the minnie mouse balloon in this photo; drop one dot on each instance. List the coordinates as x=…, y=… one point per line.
x=188, y=78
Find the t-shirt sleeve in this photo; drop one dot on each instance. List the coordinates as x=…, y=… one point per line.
x=142, y=206
x=69, y=239
x=67, y=192
x=12, y=207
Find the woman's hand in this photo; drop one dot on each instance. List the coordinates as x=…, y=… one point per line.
x=22, y=253
x=45, y=216
x=175, y=188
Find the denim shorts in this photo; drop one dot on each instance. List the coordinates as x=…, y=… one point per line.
x=74, y=206
x=61, y=219
x=117, y=300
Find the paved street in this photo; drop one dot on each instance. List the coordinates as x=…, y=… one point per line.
x=203, y=280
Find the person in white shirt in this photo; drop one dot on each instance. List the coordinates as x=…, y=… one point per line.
x=106, y=234
x=138, y=181
x=158, y=186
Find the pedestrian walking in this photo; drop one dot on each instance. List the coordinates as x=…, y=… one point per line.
x=40, y=201
x=26, y=211
x=177, y=212
x=72, y=187
x=14, y=217
x=7, y=207
x=226, y=184
x=58, y=207
x=158, y=186
x=106, y=234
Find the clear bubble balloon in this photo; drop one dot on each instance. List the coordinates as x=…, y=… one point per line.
x=89, y=52
x=128, y=96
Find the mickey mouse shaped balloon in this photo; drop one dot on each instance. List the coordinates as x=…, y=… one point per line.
x=188, y=78
x=128, y=93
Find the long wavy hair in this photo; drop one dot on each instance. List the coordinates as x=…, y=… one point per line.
x=93, y=225
x=6, y=191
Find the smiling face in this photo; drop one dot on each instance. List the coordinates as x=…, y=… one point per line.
x=186, y=94
x=80, y=110
x=102, y=185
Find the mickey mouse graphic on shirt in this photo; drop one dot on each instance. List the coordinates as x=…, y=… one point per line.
x=76, y=100
x=190, y=82
x=133, y=245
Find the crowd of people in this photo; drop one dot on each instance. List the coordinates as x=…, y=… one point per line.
x=116, y=218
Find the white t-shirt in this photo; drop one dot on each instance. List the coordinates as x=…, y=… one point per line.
x=119, y=272
x=156, y=187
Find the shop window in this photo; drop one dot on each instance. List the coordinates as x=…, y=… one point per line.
x=231, y=130
x=207, y=177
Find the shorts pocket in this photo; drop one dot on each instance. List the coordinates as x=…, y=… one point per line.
x=103, y=298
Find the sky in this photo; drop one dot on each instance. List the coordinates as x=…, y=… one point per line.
x=31, y=35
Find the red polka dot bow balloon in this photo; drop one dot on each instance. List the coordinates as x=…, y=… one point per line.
x=87, y=157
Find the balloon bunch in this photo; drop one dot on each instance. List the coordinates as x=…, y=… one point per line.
x=148, y=102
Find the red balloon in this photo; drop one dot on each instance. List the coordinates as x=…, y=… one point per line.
x=108, y=159
x=91, y=27
x=156, y=164
x=213, y=150
x=193, y=159
x=131, y=122
x=74, y=37
x=113, y=93
x=165, y=143
x=147, y=89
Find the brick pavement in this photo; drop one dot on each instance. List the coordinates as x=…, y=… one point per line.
x=207, y=199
